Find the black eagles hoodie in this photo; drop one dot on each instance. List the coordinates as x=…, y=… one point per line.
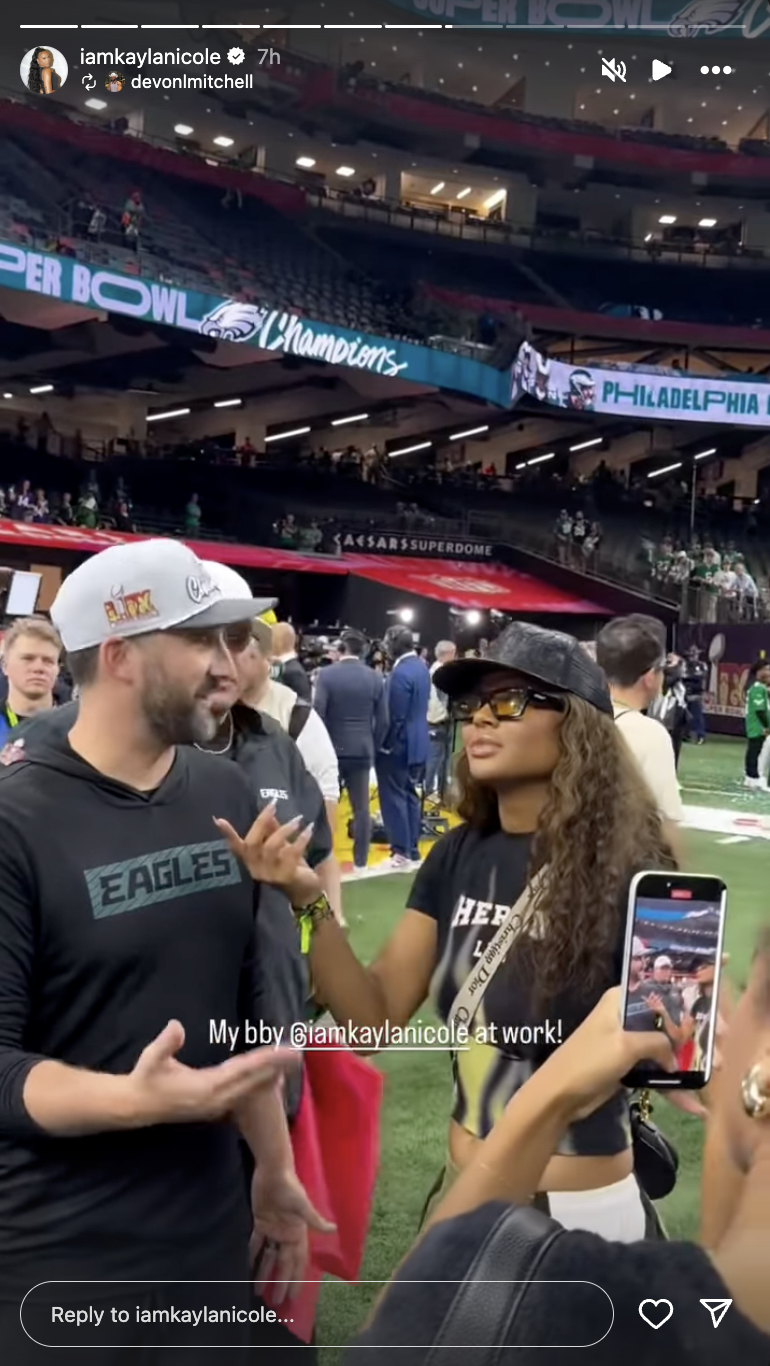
x=118, y=912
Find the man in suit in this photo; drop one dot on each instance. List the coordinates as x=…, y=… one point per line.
x=404, y=755
x=350, y=699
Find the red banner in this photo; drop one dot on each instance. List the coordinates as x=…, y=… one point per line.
x=81, y=541
x=456, y=582
x=469, y=585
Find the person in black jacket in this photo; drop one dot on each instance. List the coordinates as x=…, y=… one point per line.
x=286, y=664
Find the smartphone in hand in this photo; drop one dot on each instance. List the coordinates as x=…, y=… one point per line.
x=671, y=968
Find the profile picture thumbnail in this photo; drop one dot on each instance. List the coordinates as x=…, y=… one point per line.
x=115, y=82
x=43, y=70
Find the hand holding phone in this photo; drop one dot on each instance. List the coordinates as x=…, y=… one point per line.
x=671, y=970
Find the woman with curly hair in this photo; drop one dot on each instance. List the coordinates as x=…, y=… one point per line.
x=516, y=921
x=42, y=79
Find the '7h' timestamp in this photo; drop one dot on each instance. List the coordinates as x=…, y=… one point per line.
x=268, y=56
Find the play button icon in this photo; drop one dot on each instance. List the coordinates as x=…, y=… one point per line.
x=660, y=69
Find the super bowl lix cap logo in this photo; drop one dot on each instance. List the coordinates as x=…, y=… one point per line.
x=122, y=608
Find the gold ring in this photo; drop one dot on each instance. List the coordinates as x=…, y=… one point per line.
x=756, y=1101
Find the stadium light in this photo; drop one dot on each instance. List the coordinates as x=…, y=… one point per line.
x=42, y=389
x=473, y=431
x=464, y=193
x=307, y=163
x=522, y=465
x=409, y=450
x=283, y=436
x=406, y=615
x=96, y=104
x=343, y=421
x=702, y=454
x=707, y=223
x=183, y=129
x=437, y=188
x=345, y=171
x=473, y=617
x=538, y=460
x=161, y=417
x=665, y=470
x=7, y=395
x=495, y=199
x=667, y=219
x=228, y=403
x=223, y=142
x=583, y=445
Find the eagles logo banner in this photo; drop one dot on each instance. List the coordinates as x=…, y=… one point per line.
x=699, y=19
x=639, y=391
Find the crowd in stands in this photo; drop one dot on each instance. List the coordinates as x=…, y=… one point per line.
x=717, y=582
x=715, y=569
x=88, y=508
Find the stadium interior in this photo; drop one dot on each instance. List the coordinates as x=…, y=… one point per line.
x=437, y=326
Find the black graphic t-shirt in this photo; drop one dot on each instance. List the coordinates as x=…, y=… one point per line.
x=468, y=884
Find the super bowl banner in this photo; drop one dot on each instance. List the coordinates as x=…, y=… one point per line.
x=639, y=392
x=728, y=652
x=233, y=320
x=698, y=19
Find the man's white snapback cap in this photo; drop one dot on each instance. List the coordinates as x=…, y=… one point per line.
x=233, y=585
x=131, y=590
x=230, y=583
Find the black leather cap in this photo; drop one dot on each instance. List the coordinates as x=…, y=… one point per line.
x=550, y=658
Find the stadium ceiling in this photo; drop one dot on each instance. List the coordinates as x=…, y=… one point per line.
x=92, y=360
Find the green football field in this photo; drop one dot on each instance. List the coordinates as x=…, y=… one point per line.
x=417, y=1086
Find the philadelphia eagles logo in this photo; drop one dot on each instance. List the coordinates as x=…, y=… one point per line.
x=233, y=321
x=706, y=16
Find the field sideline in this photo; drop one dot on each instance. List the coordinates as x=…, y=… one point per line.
x=417, y=1086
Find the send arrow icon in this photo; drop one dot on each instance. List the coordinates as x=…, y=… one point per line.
x=717, y=1309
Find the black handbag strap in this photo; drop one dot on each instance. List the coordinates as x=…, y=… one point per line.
x=485, y=1306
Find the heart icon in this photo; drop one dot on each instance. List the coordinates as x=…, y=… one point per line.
x=658, y=1312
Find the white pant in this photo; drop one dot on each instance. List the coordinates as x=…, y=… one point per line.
x=763, y=762
x=613, y=1212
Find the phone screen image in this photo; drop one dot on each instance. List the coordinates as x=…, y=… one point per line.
x=671, y=976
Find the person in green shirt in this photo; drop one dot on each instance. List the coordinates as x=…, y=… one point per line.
x=757, y=721
x=704, y=575
x=192, y=516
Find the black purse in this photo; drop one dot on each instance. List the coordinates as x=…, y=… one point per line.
x=656, y=1160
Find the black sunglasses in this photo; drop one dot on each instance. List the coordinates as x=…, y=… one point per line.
x=505, y=704
x=238, y=637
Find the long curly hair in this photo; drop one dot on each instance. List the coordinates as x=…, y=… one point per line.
x=34, y=79
x=598, y=828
